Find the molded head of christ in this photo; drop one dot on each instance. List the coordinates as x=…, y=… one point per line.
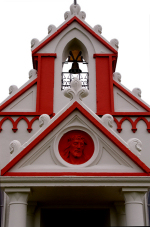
x=76, y=146
x=76, y=150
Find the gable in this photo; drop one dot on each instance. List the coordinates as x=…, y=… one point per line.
x=26, y=102
x=82, y=26
x=44, y=156
x=125, y=101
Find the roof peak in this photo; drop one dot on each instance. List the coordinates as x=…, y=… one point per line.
x=75, y=10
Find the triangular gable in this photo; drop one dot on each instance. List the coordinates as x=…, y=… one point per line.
x=96, y=123
x=17, y=95
x=131, y=96
x=65, y=26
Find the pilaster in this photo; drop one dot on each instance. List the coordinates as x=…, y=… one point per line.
x=134, y=198
x=17, y=206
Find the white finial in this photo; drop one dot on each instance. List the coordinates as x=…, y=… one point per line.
x=75, y=10
x=117, y=77
x=76, y=91
x=137, y=92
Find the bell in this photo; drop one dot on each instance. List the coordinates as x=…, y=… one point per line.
x=75, y=57
x=75, y=68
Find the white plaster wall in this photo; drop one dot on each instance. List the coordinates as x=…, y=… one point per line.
x=7, y=135
x=25, y=103
x=57, y=46
x=141, y=134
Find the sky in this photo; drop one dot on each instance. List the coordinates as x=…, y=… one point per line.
x=126, y=20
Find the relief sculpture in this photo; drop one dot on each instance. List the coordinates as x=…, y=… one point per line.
x=76, y=147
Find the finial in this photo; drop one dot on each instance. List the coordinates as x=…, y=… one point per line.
x=75, y=2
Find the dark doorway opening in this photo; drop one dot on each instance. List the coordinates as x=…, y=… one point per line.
x=75, y=217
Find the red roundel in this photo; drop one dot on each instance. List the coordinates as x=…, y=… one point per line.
x=76, y=147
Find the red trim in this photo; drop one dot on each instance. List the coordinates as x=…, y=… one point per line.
x=17, y=95
x=131, y=96
x=75, y=105
x=111, y=84
x=20, y=113
x=45, y=55
x=15, y=123
x=60, y=174
x=119, y=123
x=133, y=114
x=65, y=26
x=133, y=123
x=103, y=55
x=38, y=85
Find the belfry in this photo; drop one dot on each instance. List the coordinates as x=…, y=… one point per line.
x=74, y=140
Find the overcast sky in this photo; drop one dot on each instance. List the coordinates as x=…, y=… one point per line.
x=126, y=20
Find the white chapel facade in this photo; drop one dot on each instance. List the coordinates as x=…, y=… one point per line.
x=74, y=141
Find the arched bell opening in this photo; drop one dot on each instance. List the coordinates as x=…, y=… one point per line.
x=75, y=64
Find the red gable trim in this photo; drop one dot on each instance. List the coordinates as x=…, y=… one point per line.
x=17, y=95
x=75, y=105
x=60, y=174
x=65, y=26
x=45, y=55
x=131, y=96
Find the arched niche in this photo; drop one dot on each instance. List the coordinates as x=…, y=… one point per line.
x=74, y=37
x=75, y=44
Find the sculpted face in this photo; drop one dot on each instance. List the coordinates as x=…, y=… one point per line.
x=77, y=147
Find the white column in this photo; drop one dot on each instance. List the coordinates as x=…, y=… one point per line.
x=121, y=215
x=17, y=206
x=30, y=213
x=134, y=198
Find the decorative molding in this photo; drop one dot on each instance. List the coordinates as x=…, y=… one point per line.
x=137, y=92
x=51, y=28
x=118, y=123
x=98, y=29
x=17, y=195
x=117, y=77
x=34, y=42
x=134, y=195
x=13, y=89
x=76, y=91
x=135, y=145
x=33, y=74
x=75, y=10
x=14, y=148
x=114, y=43
x=15, y=123
x=133, y=123
x=107, y=120
x=44, y=120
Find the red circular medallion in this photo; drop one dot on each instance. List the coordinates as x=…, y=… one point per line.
x=76, y=147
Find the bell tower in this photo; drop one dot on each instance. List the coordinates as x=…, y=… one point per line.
x=77, y=43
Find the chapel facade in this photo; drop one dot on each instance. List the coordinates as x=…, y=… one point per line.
x=74, y=140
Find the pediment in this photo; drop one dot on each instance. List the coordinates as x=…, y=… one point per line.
x=45, y=157
x=58, y=34
x=26, y=102
x=124, y=103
